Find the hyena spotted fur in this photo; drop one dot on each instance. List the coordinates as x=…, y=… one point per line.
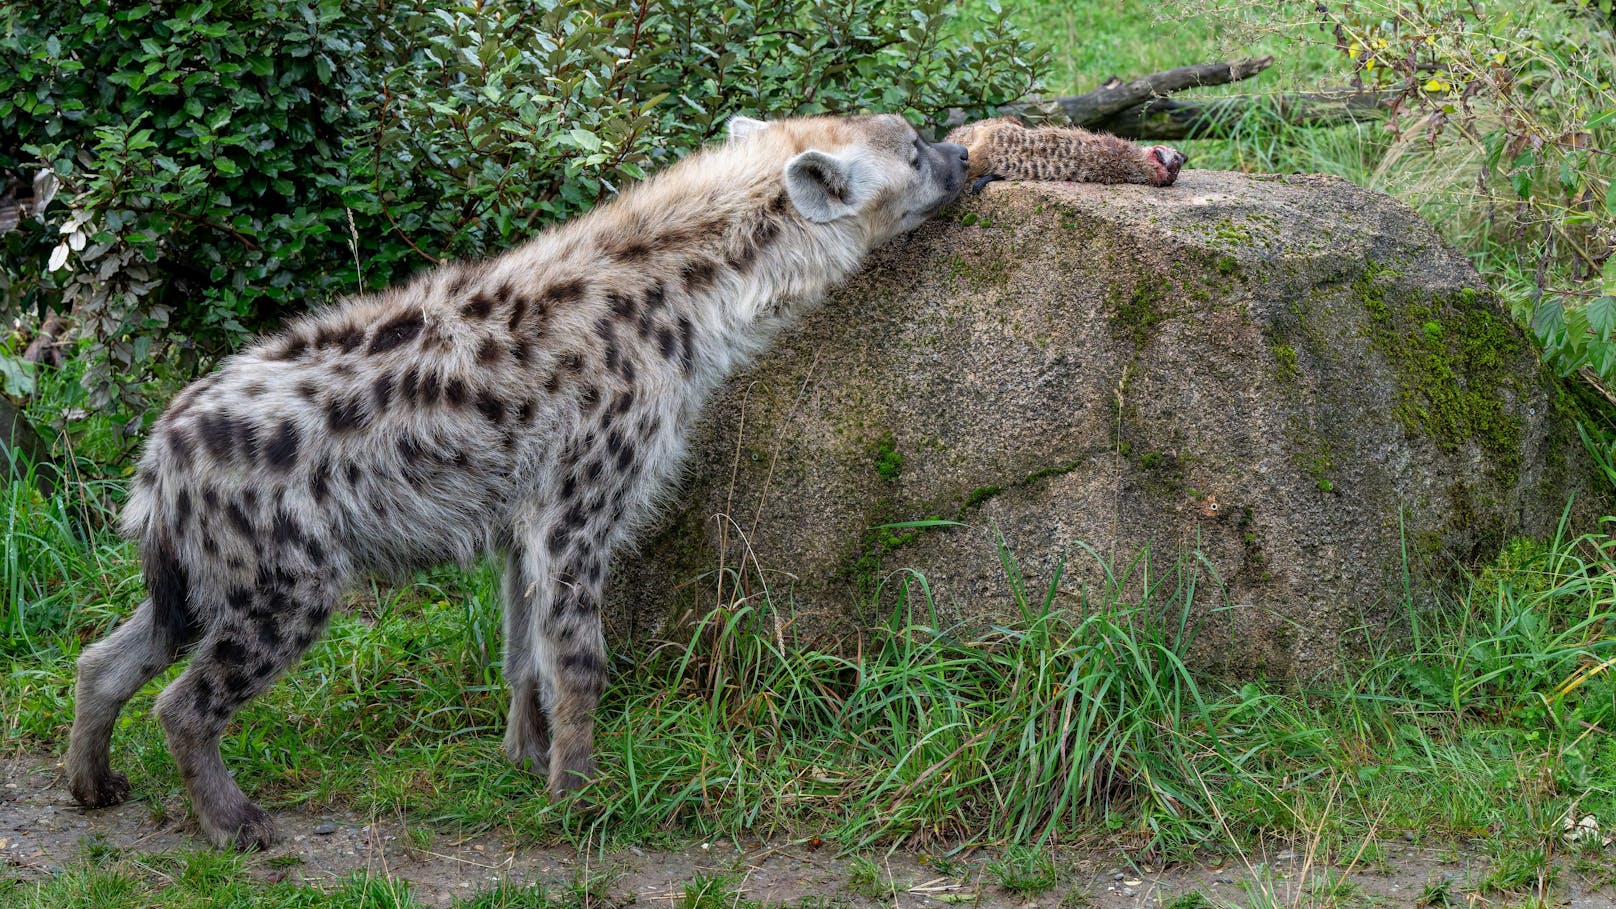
x=533, y=406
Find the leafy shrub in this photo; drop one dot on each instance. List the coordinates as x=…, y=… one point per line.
x=1503, y=124
x=224, y=164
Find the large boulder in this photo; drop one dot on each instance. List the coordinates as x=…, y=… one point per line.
x=1292, y=375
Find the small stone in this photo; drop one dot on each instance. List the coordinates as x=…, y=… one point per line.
x=1118, y=876
x=325, y=828
x=1129, y=891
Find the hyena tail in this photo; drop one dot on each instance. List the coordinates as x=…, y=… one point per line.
x=175, y=621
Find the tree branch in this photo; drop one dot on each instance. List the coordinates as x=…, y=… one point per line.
x=1116, y=96
x=1165, y=118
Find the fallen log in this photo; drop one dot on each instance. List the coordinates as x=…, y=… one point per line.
x=1167, y=118
x=1140, y=109
x=1116, y=95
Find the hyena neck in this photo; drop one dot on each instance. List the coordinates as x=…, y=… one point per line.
x=721, y=228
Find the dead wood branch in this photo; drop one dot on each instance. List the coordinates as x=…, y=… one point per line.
x=1116, y=96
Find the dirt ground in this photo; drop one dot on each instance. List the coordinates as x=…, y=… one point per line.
x=41, y=831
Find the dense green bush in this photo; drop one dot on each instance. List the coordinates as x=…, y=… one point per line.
x=224, y=164
x=1508, y=110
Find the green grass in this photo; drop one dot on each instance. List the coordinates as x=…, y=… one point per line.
x=1058, y=727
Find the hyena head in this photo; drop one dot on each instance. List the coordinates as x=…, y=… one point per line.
x=875, y=172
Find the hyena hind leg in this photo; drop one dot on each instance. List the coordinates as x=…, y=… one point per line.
x=109, y=674
x=527, y=732
x=239, y=660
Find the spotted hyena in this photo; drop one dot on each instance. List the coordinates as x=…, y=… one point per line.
x=532, y=406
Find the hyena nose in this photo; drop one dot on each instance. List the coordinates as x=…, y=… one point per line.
x=957, y=152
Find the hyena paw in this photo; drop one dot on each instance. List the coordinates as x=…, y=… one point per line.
x=246, y=828
x=1166, y=163
x=101, y=790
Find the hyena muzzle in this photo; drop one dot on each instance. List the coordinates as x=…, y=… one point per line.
x=532, y=406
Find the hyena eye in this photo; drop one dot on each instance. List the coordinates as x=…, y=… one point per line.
x=914, y=154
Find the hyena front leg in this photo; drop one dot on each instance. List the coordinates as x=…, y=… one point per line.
x=564, y=572
x=260, y=634
x=527, y=733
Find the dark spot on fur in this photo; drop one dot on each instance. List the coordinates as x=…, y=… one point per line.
x=230, y=652
x=346, y=337
x=667, y=343
x=569, y=291
x=629, y=249
x=409, y=388
x=354, y=473
x=290, y=348
x=478, y=307
x=699, y=275
x=492, y=408
x=429, y=388
x=179, y=444
x=307, y=389
x=524, y=413
x=558, y=541
x=284, y=529
x=489, y=350
x=396, y=331
x=454, y=392
x=219, y=432
x=182, y=509
x=518, y=310
x=254, y=390
x=382, y=391
x=280, y=453
x=622, y=305
x=583, y=663
x=239, y=518
x=346, y=414
x=687, y=344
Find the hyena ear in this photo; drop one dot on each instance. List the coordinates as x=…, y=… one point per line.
x=740, y=127
x=822, y=186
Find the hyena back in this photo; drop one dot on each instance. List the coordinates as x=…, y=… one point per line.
x=532, y=406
